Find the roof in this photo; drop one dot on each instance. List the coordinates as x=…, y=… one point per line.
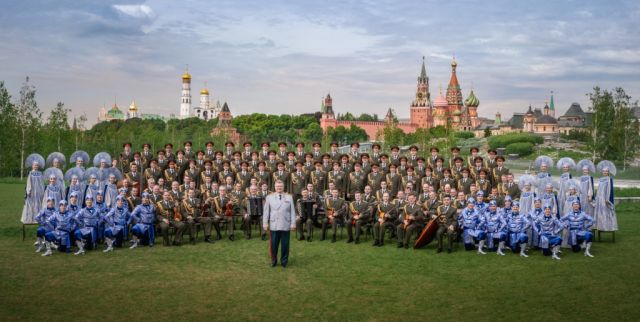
x=423, y=73
x=546, y=119
x=538, y=113
x=225, y=107
x=516, y=121
x=574, y=111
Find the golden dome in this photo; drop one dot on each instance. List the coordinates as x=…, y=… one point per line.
x=454, y=63
x=204, y=91
x=186, y=75
x=133, y=106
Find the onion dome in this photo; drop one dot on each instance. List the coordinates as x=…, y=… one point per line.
x=457, y=113
x=204, y=91
x=133, y=106
x=186, y=75
x=472, y=100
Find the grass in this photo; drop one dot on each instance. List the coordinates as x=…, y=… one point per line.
x=232, y=281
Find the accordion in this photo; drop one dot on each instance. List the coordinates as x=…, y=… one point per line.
x=306, y=210
x=256, y=206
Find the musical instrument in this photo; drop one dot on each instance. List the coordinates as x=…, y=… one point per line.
x=177, y=216
x=381, y=214
x=354, y=213
x=256, y=206
x=229, y=209
x=427, y=235
x=407, y=221
x=306, y=210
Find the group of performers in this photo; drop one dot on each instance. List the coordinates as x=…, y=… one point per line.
x=474, y=199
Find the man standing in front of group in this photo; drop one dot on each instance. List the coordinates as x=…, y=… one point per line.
x=279, y=217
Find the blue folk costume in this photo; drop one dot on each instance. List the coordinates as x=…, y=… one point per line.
x=144, y=216
x=569, y=200
x=52, y=191
x=550, y=200
x=534, y=238
x=542, y=180
x=87, y=232
x=44, y=226
x=78, y=188
x=34, y=193
x=64, y=224
x=517, y=227
x=604, y=213
x=117, y=223
x=495, y=225
x=102, y=210
x=565, y=184
x=580, y=236
x=587, y=194
x=472, y=224
x=548, y=229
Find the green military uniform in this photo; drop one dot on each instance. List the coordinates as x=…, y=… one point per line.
x=394, y=183
x=432, y=181
x=244, y=178
x=356, y=183
x=496, y=174
x=282, y=176
x=363, y=210
x=305, y=216
x=511, y=189
x=318, y=179
x=218, y=208
x=262, y=177
x=374, y=179
x=339, y=178
x=464, y=185
x=430, y=206
x=388, y=213
x=297, y=183
x=446, y=217
x=484, y=185
x=416, y=224
x=191, y=208
x=338, y=206
x=166, y=209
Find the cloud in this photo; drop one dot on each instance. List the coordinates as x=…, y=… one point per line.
x=142, y=11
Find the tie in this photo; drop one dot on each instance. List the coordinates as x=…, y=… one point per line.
x=279, y=195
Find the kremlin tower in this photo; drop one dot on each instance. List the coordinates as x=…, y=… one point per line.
x=420, y=111
x=454, y=96
x=441, y=112
x=185, y=102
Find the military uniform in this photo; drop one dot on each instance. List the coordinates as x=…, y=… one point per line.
x=282, y=176
x=446, y=217
x=318, y=179
x=306, y=216
x=191, y=208
x=244, y=178
x=297, y=183
x=363, y=210
x=218, y=208
x=166, y=209
x=496, y=174
x=356, y=183
x=338, y=206
x=404, y=232
x=394, y=183
x=388, y=213
x=511, y=189
x=263, y=177
x=339, y=179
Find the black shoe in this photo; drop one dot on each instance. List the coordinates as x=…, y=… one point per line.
x=375, y=243
x=333, y=239
x=207, y=239
x=232, y=238
x=439, y=250
x=406, y=246
x=309, y=239
x=380, y=244
x=247, y=236
x=274, y=264
x=264, y=237
x=357, y=241
x=350, y=241
x=301, y=238
x=218, y=237
x=175, y=243
x=284, y=265
x=448, y=250
x=400, y=245
x=192, y=241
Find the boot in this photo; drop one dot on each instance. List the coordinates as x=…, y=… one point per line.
x=109, y=243
x=40, y=244
x=587, y=249
x=555, y=253
x=500, y=247
x=48, y=252
x=207, y=239
x=134, y=242
x=480, y=245
x=523, y=249
x=264, y=237
x=192, y=240
x=333, y=239
x=375, y=243
x=80, y=244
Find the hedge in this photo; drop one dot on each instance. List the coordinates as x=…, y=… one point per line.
x=501, y=141
x=464, y=135
x=520, y=148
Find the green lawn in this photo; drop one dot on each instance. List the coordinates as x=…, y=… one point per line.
x=233, y=281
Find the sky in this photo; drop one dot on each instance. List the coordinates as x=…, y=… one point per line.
x=281, y=57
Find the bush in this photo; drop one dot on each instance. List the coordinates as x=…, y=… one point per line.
x=520, y=148
x=464, y=135
x=501, y=141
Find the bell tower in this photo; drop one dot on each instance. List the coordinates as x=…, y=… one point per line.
x=185, y=100
x=420, y=111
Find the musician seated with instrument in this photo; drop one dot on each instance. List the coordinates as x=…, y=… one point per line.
x=385, y=213
x=359, y=216
x=412, y=221
x=193, y=213
x=224, y=208
x=167, y=215
x=446, y=216
x=254, y=203
x=335, y=208
x=306, y=208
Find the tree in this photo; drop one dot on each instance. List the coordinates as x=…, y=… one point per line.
x=58, y=123
x=8, y=125
x=28, y=120
x=392, y=135
x=487, y=132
